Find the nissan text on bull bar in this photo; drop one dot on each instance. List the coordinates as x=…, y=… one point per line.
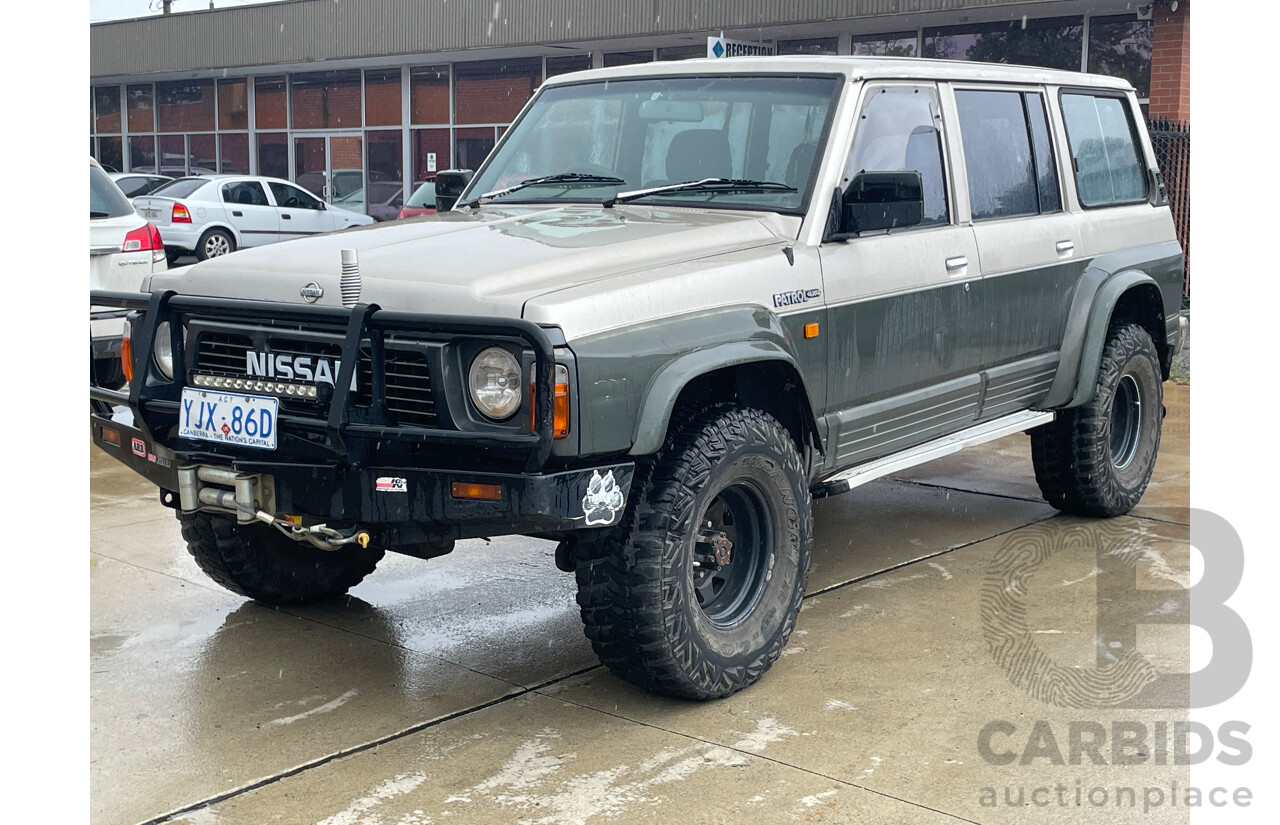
x=675, y=304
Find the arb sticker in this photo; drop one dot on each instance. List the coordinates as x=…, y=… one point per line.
x=139, y=447
x=387, y=484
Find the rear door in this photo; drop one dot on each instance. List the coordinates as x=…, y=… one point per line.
x=1029, y=247
x=255, y=219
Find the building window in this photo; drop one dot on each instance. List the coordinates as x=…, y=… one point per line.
x=202, y=154
x=382, y=97
x=682, y=52
x=233, y=155
x=269, y=103
x=142, y=110
x=813, y=45
x=385, y=156
x=273, y=155
x=896, y=44
x=429, y=94
x=185, y=105
x=1052, y=42
x=325, y=100
x=173, y=155
x=564, y=65
x=1121, y=46
x=109, y=154
x=627, y=58
x=430, y=154
x=474, y=145
x=493, y=91
x=233, y=104
x=106, y=104
x=142, y=153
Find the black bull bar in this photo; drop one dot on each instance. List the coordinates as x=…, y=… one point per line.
x=156, y=403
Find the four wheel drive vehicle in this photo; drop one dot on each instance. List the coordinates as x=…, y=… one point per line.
x=124, y=251
x=676, y=302
x=213, y=215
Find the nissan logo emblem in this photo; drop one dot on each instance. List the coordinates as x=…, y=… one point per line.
x=312, y=292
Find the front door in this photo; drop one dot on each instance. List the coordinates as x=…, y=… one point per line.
x=906, y=350
x=331, y=167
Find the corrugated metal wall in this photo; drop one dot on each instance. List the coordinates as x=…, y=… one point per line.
x=313, y=30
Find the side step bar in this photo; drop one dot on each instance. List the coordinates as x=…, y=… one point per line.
x=846, y=480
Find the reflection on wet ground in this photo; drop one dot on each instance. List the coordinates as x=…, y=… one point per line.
x=463, y=689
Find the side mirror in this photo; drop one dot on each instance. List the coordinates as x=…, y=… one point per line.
x=449, y=186
x=877, y=201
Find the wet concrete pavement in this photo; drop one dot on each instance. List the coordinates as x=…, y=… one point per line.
x=462, y=689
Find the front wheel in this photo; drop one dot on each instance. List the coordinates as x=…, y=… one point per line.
x=258, y=561
x=214, y=244
x=697, y=592
x=1097, y=459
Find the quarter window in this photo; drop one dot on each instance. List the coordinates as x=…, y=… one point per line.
x=898, y=132
x=1108, y=166
x=1007, y=154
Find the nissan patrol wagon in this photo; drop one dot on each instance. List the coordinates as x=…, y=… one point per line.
x=675, y=304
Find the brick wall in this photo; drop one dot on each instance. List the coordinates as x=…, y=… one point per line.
x=1171, y=61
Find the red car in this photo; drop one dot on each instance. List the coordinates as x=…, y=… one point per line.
x=421, y=202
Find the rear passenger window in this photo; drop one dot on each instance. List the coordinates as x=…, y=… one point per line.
x=1104, y=152
x=247, y=193
x=1007, y=154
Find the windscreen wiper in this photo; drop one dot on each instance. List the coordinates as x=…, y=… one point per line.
x=94, y=214
x=712, y=185
x=562, y=178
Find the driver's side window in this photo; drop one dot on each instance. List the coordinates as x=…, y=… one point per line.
x=898, y=131
x=293, y=197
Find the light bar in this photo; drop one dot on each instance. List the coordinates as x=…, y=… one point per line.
x=280, y=388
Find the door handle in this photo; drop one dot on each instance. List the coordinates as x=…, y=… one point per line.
x=237, y=214
x=1065, y=246
x=287, y=216
x=958, y=262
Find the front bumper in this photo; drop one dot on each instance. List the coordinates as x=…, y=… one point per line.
x=399, y=505
x=354, y=465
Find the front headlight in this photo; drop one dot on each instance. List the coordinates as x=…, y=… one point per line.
x=164, y=350
x=495, y=383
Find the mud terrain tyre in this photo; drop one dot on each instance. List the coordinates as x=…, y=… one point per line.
x=657, y=610
x=257, y=561
x=1096, y=460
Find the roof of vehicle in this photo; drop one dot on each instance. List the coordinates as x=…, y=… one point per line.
x=854, y=68
x=219, y=178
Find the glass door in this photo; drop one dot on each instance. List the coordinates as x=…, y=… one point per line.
x=332, y=168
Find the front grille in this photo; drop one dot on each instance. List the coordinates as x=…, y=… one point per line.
x=407, y=369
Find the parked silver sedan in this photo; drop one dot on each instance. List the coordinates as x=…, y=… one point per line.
x=213, y=215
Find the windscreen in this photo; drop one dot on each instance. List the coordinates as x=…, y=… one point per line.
x=660, y=131
x=424, y=197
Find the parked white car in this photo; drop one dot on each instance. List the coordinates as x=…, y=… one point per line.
x=213, y=215
x=136, y=184
x=124, y=251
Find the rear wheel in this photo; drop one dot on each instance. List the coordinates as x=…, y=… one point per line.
x=1097, y=459
x=697, y=592
x=214, y=244
x=258, y=561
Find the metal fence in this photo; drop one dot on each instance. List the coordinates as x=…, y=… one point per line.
x=1172, y=142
